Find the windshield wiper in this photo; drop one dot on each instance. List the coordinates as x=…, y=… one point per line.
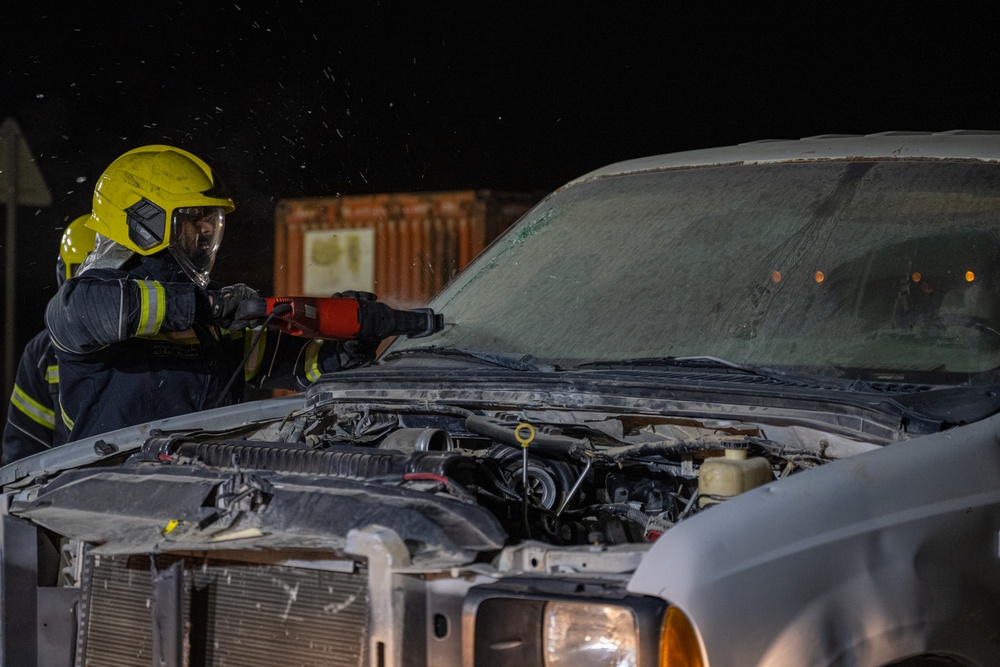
x=710, y=362
x=699, y=361
x=523, y=363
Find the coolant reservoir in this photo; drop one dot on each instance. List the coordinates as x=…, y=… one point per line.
x=731, y=475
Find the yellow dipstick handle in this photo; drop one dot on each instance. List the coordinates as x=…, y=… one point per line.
x=525, y=440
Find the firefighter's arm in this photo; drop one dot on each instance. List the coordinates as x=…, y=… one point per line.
x=105, y=306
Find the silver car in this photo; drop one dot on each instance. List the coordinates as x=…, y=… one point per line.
x=734, y=406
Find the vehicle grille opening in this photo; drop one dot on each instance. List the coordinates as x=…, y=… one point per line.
x=234, y=613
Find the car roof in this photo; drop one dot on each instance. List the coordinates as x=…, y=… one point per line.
x=954, y=144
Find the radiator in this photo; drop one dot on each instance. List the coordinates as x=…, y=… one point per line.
x=234, y=613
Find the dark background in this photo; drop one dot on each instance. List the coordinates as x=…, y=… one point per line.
x=318, y=98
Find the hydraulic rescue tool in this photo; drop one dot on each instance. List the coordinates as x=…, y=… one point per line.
x=340, y=318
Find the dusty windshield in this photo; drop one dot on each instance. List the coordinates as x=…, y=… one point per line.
x=866, y=269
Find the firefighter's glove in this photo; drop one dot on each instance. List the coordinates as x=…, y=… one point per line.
x=354, y=294
x=224, y=303
x=356, y=353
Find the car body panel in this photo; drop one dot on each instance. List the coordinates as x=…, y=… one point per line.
x=864, y=560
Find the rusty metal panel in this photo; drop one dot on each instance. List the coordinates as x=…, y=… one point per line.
x=418, y=241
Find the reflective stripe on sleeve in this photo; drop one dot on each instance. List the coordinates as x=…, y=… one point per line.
x=255, y=359
x=67, y=422
x=52, y=374
x=152, y=307
x=33, y=409
x=312, y=360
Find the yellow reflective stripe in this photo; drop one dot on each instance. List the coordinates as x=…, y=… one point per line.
x=33, y=409
x=65, y=417
x=254, y=361
x=152, y=307
x=52, y=374
x=312, y=360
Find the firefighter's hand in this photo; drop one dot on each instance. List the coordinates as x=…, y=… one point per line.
x=224, y=303
x=354, y=294
x=355, y=353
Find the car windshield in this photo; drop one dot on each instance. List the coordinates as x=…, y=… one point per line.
x=866, y=269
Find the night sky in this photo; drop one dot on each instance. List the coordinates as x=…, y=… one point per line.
x=319, y=98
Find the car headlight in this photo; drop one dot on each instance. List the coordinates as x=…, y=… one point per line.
x=585, y=635
x=536, y=622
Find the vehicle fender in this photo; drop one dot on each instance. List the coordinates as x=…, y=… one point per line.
x=861, y=561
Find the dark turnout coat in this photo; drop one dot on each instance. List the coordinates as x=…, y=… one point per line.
x=34, y=422
x=137, y=344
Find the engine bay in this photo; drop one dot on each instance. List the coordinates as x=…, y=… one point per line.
x=561, y=477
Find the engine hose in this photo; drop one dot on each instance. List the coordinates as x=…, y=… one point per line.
x=629, y=512
x=619, y=509
x=504, y=434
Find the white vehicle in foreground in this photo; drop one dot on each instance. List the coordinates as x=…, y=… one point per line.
x=726, y=407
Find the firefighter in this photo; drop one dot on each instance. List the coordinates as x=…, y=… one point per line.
x=33, y=417
x=140, y=332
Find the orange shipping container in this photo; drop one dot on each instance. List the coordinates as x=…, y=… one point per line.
x=404, y=247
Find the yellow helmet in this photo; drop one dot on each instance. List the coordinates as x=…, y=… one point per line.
x=77, y=242
x=158, y=197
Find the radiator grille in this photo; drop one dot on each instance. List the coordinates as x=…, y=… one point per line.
x=234, y=614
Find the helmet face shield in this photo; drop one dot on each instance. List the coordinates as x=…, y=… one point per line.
x=195, y=237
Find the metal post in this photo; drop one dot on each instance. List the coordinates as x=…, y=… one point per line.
x=10, y=318
x=168, y=614
x=21, y=183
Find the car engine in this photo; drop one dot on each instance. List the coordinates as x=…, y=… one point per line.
x=556, y=476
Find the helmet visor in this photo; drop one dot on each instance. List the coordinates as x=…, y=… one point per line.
x=195, y=237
